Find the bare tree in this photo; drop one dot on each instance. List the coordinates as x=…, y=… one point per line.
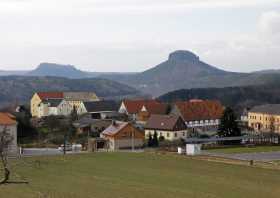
x=5, y=140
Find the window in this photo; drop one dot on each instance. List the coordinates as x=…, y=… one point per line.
x=167, y=134
x=183, y=133
x=175, y=134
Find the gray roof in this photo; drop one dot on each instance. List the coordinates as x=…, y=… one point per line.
x=268, y=108
x=52, y=102
x=101, y=106
x=82, y=96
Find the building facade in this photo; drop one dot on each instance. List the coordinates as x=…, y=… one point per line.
x=265, y=118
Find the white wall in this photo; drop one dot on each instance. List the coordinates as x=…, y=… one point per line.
x=168, y=135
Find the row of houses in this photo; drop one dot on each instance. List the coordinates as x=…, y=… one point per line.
x=142, y=118
x=197, y=114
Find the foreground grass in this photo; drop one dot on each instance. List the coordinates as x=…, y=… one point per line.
x=236, y=150
x=124, y=175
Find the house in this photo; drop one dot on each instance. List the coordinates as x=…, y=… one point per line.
x=39, y=97
x=59, y=103
x=199, y=114
x=87, y=125
x=265, y=118
x=169, y=127
x=49, y=107
x=101, y=109
x=123, y=135
x=8, y=122
x=140, y=110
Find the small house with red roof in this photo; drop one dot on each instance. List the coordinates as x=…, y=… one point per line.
x=8, y=122
x=141, y=110
x=123, y=135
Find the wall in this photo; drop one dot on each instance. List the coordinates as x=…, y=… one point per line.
x=35, y=101
x=168, y=135
x=115, y=144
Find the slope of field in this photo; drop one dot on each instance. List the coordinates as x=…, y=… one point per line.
x=124, y=175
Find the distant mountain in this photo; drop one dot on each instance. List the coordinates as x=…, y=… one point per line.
x=21, y=88
x=236, y=97
x=268, y=71
x=52, y=69
x=12, y=73
x=184, y=70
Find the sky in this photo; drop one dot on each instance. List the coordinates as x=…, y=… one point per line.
x=135, y=35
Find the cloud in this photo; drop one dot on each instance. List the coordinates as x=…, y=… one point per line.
x=43, y=7
x=269, y=24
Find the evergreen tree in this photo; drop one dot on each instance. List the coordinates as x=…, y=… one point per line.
x=73, y=117
x=228, y=126
x=150, y=140
x=155, y=139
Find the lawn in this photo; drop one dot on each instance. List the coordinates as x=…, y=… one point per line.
x=137, y=175
x=256, y=149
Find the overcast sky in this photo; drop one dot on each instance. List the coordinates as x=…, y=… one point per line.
x=134, y=35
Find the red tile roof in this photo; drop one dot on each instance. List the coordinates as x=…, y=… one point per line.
x=7, y=119
x=200, y=109
x=50, y=95
x=156, y=108
x=135, y=106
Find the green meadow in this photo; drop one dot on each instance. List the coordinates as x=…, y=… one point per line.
x=137, y=175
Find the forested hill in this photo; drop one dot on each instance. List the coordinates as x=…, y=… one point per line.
x=21, y=88
x=237, y=97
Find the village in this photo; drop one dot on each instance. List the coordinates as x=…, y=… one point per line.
x=83, y=122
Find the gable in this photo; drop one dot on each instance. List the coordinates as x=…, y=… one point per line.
x=126, y=132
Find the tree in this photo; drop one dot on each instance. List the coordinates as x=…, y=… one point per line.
x=72, y=118
x=150, y=140
x=155, y=139
x=5, y=140
x=228, y=126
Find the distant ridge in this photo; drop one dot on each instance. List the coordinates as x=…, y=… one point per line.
x=52, y=69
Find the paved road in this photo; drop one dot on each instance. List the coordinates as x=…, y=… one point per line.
x=41, y=151
x=265, y=156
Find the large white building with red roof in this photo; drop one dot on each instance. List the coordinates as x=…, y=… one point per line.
x=59, y=103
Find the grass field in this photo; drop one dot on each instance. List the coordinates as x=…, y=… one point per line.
x=257, y=149
x=137, y=175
